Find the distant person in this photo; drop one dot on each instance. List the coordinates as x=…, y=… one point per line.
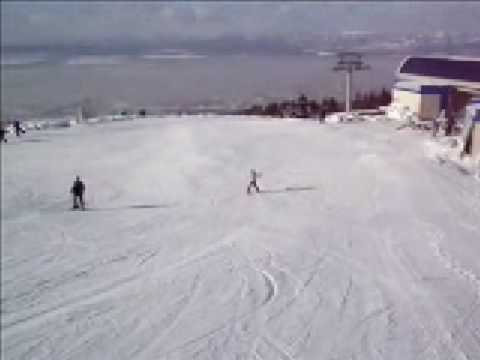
x=253, y=181
x=78, y=190
x=18, y=128
x=3, y=133
x=435, y=127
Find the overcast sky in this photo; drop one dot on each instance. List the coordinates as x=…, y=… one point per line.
x=36, y=23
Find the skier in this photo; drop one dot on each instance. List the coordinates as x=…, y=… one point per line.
x=77, y=190
x=18, y=129
x=253, y=181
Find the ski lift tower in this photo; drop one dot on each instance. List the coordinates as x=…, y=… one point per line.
x=349, y=62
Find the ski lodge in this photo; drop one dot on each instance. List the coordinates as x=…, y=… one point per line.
x=431, y=87
x=428, y=85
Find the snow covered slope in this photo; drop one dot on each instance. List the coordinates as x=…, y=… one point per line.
x=359, y=246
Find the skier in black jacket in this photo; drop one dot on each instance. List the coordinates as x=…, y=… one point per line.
x=77, y=190
x=18, y=128
x=253, y=181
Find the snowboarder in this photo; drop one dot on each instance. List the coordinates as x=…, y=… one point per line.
x=77, y=190
x=253, y=181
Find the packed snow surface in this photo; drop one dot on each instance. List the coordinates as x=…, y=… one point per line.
x=358, y=247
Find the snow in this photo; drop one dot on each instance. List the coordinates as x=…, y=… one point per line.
x=355, y=116
x=96, y=60
x=448, y=150
x=173, y=56
x=398, y=112
x=360, y=246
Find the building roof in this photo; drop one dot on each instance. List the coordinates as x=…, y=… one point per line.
x=407, y=85
x=460, y=72
x=418, y=87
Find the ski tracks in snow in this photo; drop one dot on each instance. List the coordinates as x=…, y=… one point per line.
x=439, y=338
x=231, y=276
x=161, y=331
x=455, y=266
x=264, y=346
x=19, y=323
x=271, y=286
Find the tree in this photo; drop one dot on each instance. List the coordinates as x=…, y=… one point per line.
x=88, y=108
x=385, y=97
x=371, y=100
x=314, y=107
x=324, y=103
x=272, y=109
x=358, y=101
x=254, y=110
x=302, y=103
x=333, y=105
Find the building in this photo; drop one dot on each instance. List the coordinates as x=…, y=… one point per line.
x=427, y=101
x=427, y=85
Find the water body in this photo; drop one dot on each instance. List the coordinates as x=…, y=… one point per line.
x=37, y=85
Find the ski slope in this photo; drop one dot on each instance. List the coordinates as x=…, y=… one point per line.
x=359, y=247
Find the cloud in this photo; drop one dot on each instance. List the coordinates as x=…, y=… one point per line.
x=27, y=23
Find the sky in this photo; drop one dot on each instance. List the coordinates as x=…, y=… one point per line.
x=71, y=22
